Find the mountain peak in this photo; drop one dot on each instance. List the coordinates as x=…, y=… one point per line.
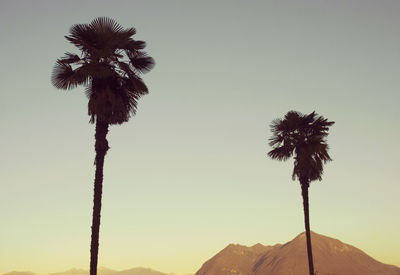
x=312, y=233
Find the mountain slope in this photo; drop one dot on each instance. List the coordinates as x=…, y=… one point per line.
x=235, y=259
x=331, y=257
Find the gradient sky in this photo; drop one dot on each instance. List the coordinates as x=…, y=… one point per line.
x=189, y=173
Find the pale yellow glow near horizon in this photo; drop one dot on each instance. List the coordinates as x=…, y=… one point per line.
x=165, y=260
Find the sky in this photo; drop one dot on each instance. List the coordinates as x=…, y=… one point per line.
x=189, y=174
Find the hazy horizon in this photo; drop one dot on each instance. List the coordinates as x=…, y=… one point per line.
x=320, y=242
x=189, y=173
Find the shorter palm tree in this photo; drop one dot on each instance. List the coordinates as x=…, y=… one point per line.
x=304, y=138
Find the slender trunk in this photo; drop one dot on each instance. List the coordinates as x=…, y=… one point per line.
x=101, y=147
x=304, y=192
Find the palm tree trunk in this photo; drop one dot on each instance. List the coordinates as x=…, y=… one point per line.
x=304, y=192
x=101, y=147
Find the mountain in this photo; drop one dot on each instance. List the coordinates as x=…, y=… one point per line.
x=331, y=257
x=100, y=271
x=19, y=273
x=139, y=271
x=106, y=271
x=74, y=271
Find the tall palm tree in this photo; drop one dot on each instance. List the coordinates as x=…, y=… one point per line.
x=108, y=66
x=304, y=138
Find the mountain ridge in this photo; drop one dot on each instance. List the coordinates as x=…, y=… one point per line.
x=106, y=271
x=100, y=271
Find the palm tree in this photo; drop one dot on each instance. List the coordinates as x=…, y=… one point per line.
x=304, y=138
x=108, y=66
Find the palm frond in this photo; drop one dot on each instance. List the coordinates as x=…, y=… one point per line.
x=142, y=62
x=136, y=85
x=281, y=153
x=105, y=25
x=64, y=77
x=83, y=37
x=89, y=90
x=70, y=58
x=134, y=45
x=110, y=35
x=276, y=140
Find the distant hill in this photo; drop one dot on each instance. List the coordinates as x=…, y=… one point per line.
x=139, y=271
x=100, y=271
x=106, y=271
x=19, y=273
x=74, y=271
x=331, y=257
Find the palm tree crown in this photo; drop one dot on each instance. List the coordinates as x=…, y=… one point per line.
x=304, y=137
x=109, y=66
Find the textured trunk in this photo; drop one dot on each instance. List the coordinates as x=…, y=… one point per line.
x=101, y=147
x=304, y=192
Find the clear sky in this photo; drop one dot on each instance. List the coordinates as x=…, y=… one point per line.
x=189, y=173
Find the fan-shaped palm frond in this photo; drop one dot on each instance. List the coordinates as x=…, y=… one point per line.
x=64, y=77
x=140, y=61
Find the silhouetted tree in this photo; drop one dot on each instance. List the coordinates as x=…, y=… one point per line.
x=304, y=138
x=109, y=65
